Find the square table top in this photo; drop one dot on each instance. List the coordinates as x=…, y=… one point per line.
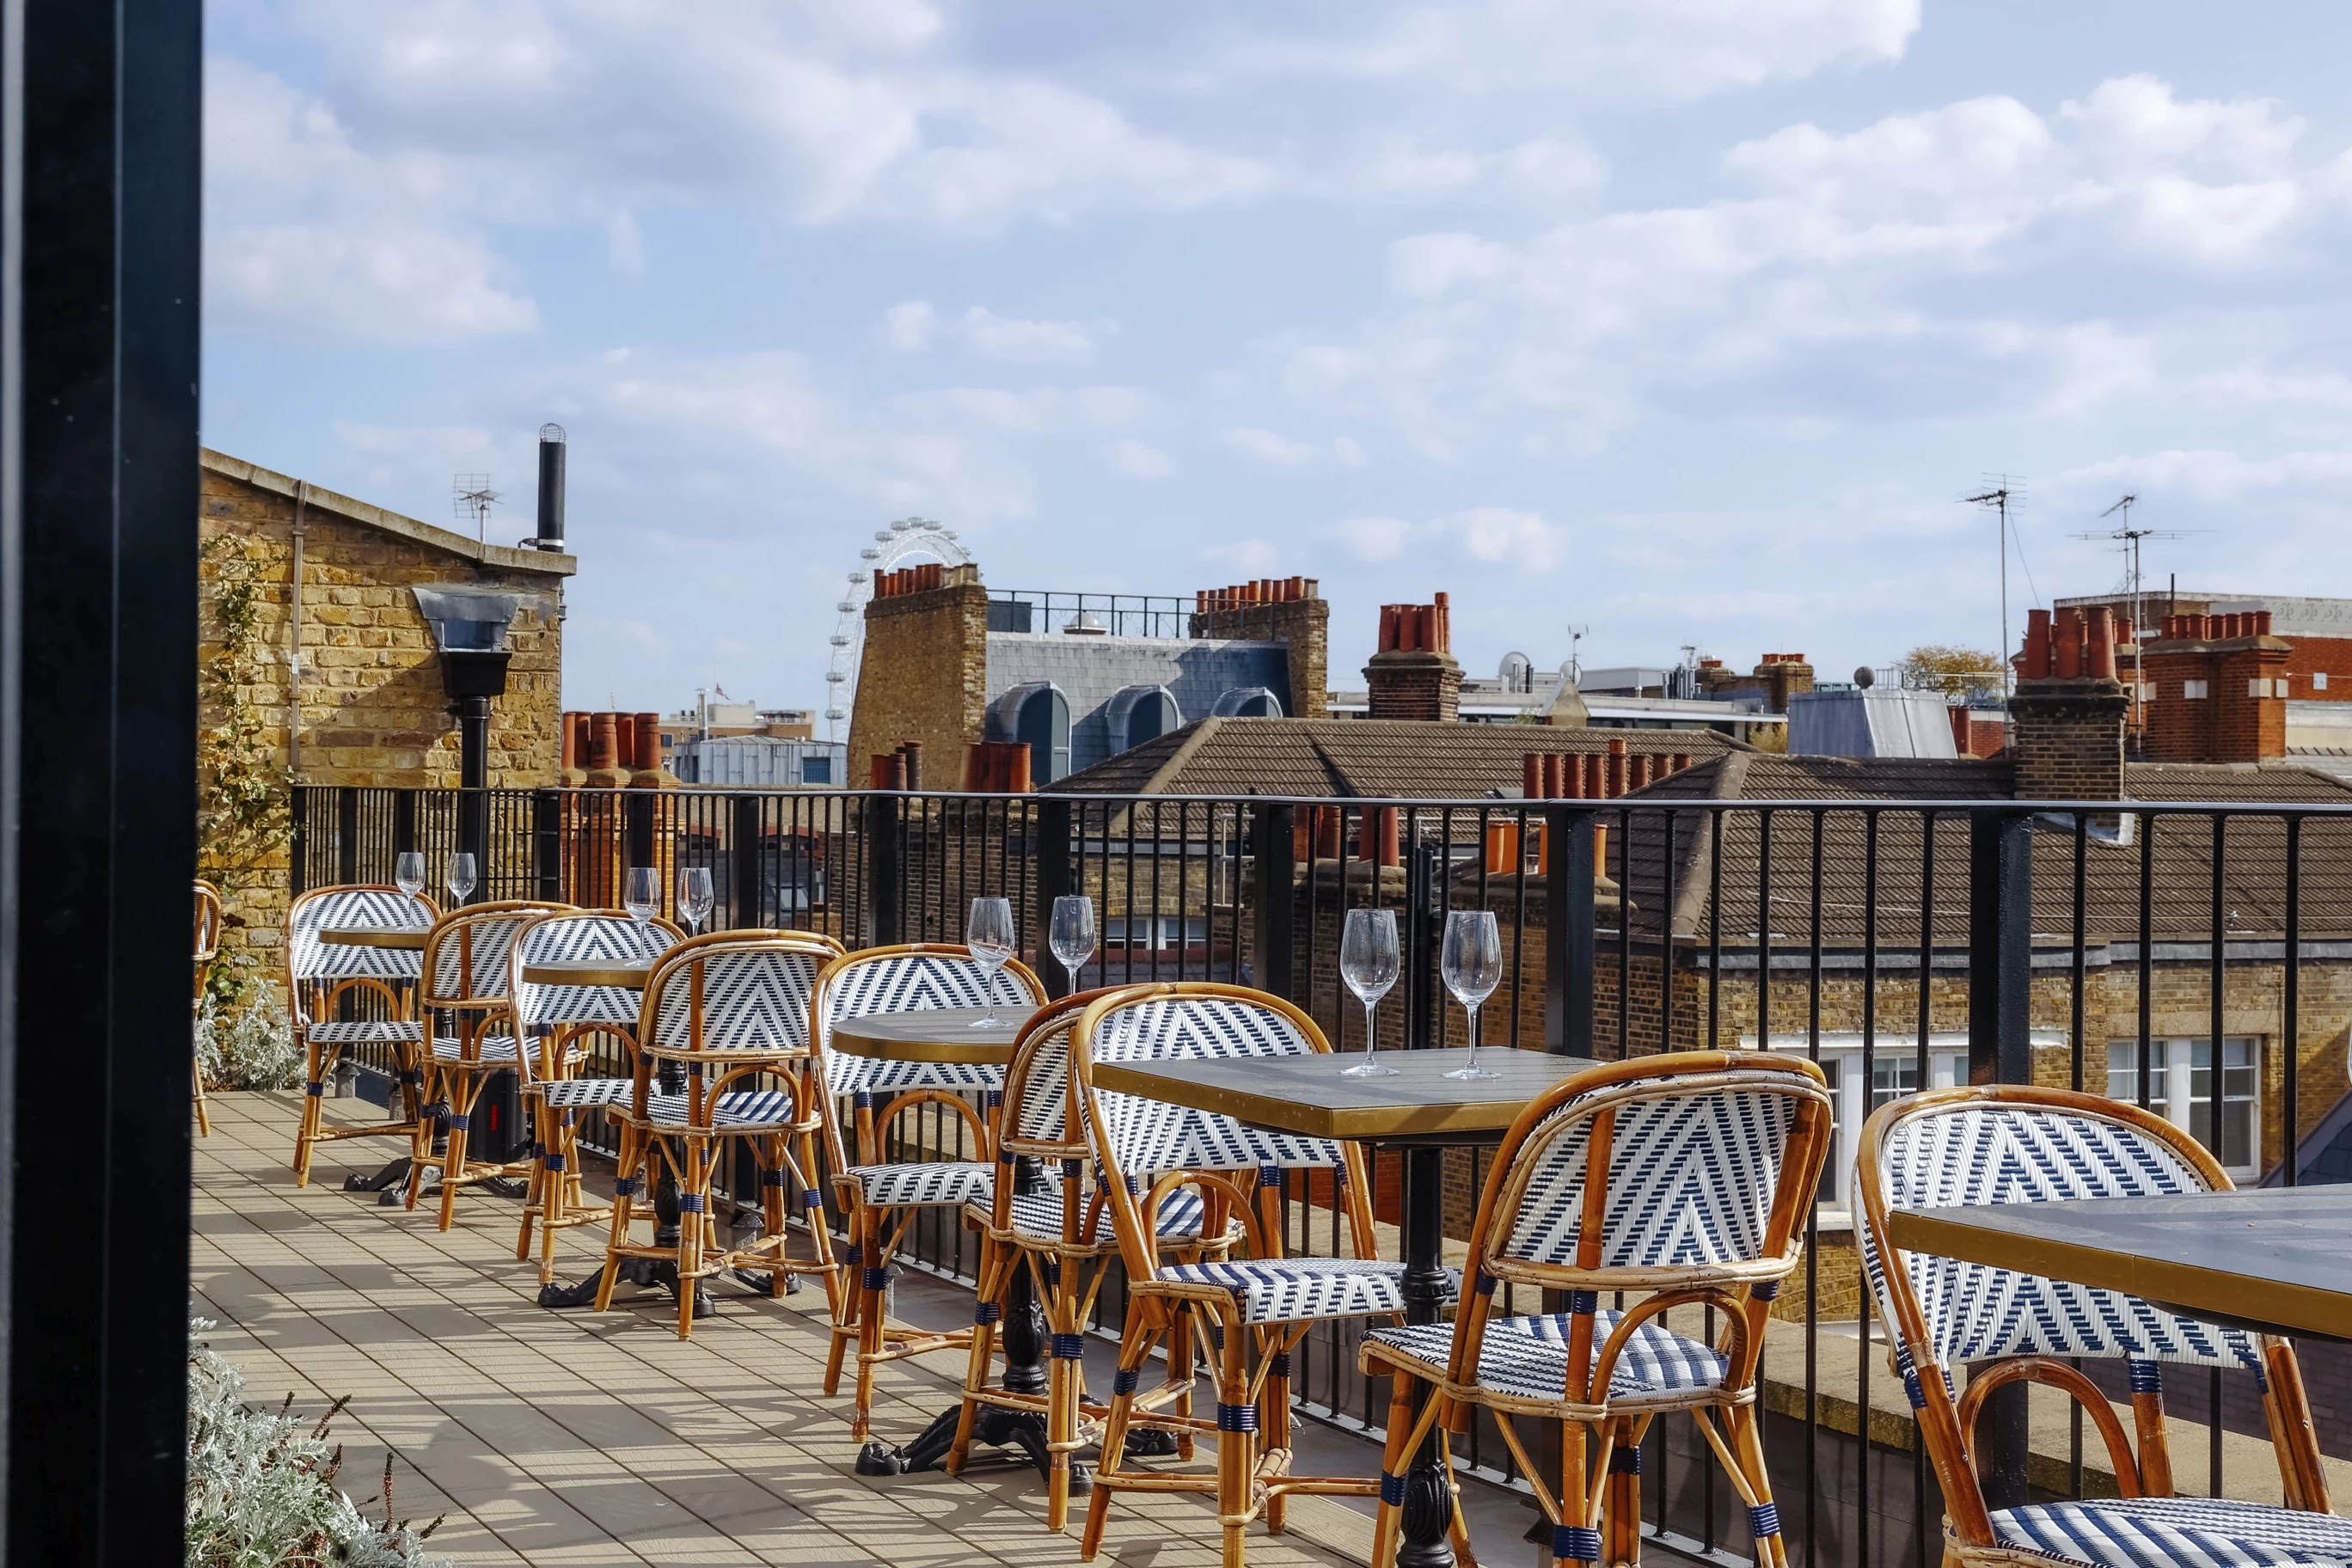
x=1313, y=1096
x=2274, y=1259
x=933, y=1035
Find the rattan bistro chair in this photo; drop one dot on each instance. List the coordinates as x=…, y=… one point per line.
x=874, y=1190
x=1682, y=1178
x=729, y=1012
x=559, y=1023
x=319, y=974
x=2011, y=1143
x=1061, y=1232
x=467, y=976
x=207, y=948
x=1249, y=1312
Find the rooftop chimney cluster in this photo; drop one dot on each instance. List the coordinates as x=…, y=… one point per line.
x=996, y=767
x=1769, y=658
x=1417, y=628
x=1256, y=590
x=1595, y=776
x=910, y=580
x=605, y=750
x=2218, y=628
x=2073, y=645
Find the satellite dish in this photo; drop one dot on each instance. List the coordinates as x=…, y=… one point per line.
x=1865, y=676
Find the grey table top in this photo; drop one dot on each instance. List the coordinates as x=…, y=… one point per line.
x=1314, y=1096
x=933, y=1035
x=2276, y=1258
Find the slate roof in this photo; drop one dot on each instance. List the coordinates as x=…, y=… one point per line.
x=1674, y=856
x=1400, y=759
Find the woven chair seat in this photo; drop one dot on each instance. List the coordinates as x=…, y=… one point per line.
x=1527, y=1358
x=1297, y=1289
x=745, y=1110
x=2161, y=1533
x=1037, y=1218
x=948, y=1183
x=368, y=1031
x=498, y=1048
x=573, y=1093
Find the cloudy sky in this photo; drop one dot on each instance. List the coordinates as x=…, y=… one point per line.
x=1686, y=321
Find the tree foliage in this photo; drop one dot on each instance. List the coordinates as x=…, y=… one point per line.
x=244, y=802
x=1939, y=667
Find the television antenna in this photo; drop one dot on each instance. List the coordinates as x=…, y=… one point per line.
x=1575, y=670
x=2127, y=538
x=470, y=496
x=2001, y=492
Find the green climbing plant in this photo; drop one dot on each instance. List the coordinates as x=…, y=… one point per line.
x=243, y=800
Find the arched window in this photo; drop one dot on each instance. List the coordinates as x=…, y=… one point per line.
x=1037, y=714
x=1248, y=702
x=1140, y=713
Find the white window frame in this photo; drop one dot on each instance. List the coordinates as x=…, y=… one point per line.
x=1947, y=1065
x=2172, y=1092
x=2192, y=691
x=2319, y=680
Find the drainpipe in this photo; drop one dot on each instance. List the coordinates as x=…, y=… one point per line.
x=294, y=653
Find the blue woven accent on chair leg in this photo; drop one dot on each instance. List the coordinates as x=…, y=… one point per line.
x=1767, y=1291
x=1575, y=1543
x=1487, y=1283
x=874, y=1278
x=554, y=1162
x=689, y=1202
x=811, y=1198
x=1125, y=1379
x=863, y=1100
x=1070, y=1169
x=1069, y=1347
x=1005, y=1156
x=987, y=1312
x=626, y=1187
x=1269, y=1175
x=771, y=1178
x=1236, y=1418
x=1279, y=1364
x=1764, y=1520
x=2146, y=1376
x=1625, y=1460
x=1584, y=1303
x=850, y=1255
x=315, y=1088
x=410, y=1075
x=1053, y=1271
x=460, y=1123
x=1391, y=1490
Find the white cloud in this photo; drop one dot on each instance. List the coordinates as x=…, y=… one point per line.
x=914, y=327
x=1489, y=536
x=1282, y=452
x=910, y=326
x=1135, y=461
x=1368, y=539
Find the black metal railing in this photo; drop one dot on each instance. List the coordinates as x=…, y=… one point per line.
x=1114, y=615
x=2114, y=947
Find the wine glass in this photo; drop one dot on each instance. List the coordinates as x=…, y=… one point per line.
x=990, y=937
x=1472, y=962
x=1369, y=963
x=460, y=880
x=641, y=893
x=1073, y=933
x=694, y=898
x=408, y=874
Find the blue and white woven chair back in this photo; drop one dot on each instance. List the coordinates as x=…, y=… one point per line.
x=1037, y=1092
x=471, y=951
x=584, y=938
x=309, y=959
x=908, y=983
x=1147, y=1138
x=1695, y=1166
x=1981, y=1152
x=754, y=999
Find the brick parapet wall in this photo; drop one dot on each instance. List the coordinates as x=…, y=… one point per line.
x=923, y=677
x=2235, y=721
x=2066, y=738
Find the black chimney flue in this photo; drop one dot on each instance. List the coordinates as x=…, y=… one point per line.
x=550, y=487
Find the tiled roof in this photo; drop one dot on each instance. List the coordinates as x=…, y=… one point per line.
x=1354, y=758
x=1673, y=855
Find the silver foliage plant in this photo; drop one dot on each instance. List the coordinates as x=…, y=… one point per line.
x=249, y=1046
x=261, y=1485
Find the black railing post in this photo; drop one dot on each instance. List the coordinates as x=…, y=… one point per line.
x=1054, y=880
x=2000, y=1050
x=403, y=821
x=885, y=834
x=1424, y=1002
x=638, y=827
x=1569, y=932
x=546, y=842
x=747, y=853
x=347, y=833
x=1275, y=859
x=298, y=848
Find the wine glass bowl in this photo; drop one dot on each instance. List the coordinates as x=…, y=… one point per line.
x=408, y=874
x=694, y=897
x=1072, y=934
x=1472, y=963
x=641, y=893
x=460, y=880
x=1369, y=962
x=989, y=934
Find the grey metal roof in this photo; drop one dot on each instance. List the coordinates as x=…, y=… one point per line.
x=1091, y=670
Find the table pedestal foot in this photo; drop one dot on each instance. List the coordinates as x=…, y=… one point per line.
x=1426, y=1521
x=391, y=1179
x=647, y=1273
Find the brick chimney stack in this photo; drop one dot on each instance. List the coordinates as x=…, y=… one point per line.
x=2216, y=689
x=923, y=677
x=1413, y=675
x=1288, y=610
x=2067, y=714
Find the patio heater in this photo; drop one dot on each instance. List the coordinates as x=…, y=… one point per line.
x=469, y=632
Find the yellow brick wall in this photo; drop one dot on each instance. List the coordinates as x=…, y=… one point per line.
x=372, y=709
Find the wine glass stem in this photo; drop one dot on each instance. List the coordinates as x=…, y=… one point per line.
x=1470, y=1063
x=1371, y=1035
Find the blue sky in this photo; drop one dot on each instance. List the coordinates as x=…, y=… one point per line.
x=1688, y=322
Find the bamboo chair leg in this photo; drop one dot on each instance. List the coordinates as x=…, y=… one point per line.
x=1747, y=1443
x=873, y=1334
x=1236, y=1451
x=1274, y=1430
x=988, y=1292
x=203, y=1121
x=845, y=1302
x=693, y=1202
x=624, y=1195
x=1574, y=1508
x=1184, y=1341
x=1065, y=1385
x=820, y=1235
x=314, y=1085
x=453, y=1164
x=1134, y=1351
x=1621, y=1514
x=1395, y=1459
